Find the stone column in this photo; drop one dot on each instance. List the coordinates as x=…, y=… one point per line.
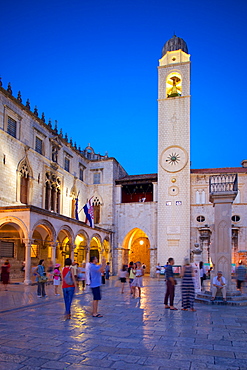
x=73, y=246
x=153, y=261
x=155, y=191
x=221, y=250
x=53, y=253
x=27, y=280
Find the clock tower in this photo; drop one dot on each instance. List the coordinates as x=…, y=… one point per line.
x=174, y=152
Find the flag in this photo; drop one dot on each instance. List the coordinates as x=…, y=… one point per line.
x=88, y=210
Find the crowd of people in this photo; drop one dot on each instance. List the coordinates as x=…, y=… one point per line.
x=73, y=276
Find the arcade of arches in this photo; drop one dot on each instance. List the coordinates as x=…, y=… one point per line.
x=137, y=248
x=48, y=244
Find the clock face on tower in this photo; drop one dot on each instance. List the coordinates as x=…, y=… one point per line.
x=173, y=159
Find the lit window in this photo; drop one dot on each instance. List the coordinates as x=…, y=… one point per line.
x=66, y=164
x=96, y=178
x=200, y=219
x=34, y=250
x=38, y=145
x=11, y=128
x=169, y=203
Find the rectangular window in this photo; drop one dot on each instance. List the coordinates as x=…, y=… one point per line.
x=6, y=249
x=38, y=145
x=66, y=164
x=81, y=173
x=96, y=178
x=34, y=250
x=11, y=128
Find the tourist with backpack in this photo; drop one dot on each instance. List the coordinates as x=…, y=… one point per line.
x=68, y=286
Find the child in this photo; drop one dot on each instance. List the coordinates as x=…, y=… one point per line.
x=123, y=274
x=56, y=278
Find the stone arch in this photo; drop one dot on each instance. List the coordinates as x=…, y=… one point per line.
x=13, y=233
x=136, y=247
x=68, y=232
x=48, y=226
x=24, y=180
x=95, y=246
x=97, y=206
x=81, y=246
x=174, y=83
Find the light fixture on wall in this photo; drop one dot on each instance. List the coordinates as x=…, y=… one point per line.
x=141, y=242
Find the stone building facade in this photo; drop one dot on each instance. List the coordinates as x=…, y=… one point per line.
x=46, y=179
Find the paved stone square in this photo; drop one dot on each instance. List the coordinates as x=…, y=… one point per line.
x=133, y=333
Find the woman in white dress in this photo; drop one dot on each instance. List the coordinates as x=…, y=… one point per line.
x=137, y=282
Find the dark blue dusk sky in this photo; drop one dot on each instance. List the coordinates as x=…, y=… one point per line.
x=92, y=66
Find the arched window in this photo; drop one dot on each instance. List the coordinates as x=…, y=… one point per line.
x=96, y=209
x=24, y=182
x=52, y=192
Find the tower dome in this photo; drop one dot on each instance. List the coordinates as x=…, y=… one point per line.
x=175, y=43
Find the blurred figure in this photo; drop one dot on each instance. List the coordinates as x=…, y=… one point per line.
x=107, y=271
x=158, y=270
x=123, y=274
x=203, y=275
x=82, y=275
x=5, y=274
x=240, y=274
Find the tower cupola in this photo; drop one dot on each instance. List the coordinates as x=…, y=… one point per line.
x=175, y=43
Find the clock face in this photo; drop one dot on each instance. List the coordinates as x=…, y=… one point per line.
x=173, y=159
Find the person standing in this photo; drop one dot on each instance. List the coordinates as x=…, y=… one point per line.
x=68, y=286
x=82, y=275
x=137, y=282
x=202, y=273
x=170, y=285
x=56, y=278
x=107, y=271
x=240, y=275
x=158, y=270
x=41, y=279
x=95, y=282
x=188, y=288
x=123, y=277
x=5, y=274
x=131, y=272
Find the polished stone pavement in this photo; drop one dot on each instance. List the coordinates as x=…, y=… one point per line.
x=133, y=333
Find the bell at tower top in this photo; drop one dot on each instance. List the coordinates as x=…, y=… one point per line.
x=175, y=43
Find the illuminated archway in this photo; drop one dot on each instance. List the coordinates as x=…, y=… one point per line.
x=137, y=246
x=80, y=251
x=64, y=245
x=95, y=247
x=11, y=246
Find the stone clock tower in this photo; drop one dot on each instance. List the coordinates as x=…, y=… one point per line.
x=174, y=152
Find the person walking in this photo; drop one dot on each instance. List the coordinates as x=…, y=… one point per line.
x=123, y=274
x=41, y=279
x=5, y=274
x=82, y=275
x=240, y=275
x=107, y=271
x=95, y=282
x=188, y=288
x=56, y=278
x=68, y=286
x=203, y=275
x=170, y=285
x=137, y=282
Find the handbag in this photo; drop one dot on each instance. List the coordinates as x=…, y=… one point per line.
x=43, y=279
